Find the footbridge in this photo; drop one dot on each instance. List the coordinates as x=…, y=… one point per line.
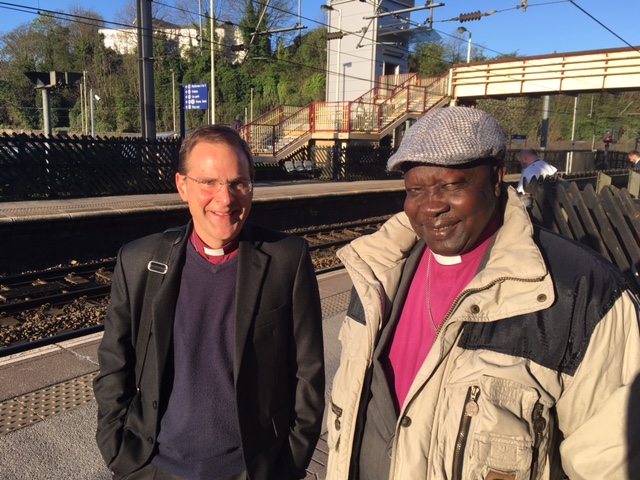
x=397, y=99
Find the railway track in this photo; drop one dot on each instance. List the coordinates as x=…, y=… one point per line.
x=57, y=285
x=48, y=306
x=325, y=241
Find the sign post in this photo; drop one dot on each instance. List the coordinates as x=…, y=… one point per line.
x=194, y=96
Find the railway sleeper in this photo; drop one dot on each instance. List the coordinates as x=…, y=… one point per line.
x=30, y=291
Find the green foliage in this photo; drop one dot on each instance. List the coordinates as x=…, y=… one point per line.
x=427, y=60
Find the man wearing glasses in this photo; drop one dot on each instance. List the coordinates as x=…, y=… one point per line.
x=211, y=364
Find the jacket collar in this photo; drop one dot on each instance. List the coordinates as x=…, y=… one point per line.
x=378, y=260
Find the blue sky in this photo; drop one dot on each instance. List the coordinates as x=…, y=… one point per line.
x=547, y=26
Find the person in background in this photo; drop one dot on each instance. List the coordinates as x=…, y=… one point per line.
x=532, y=166
x=476, y=344
x=237, y=123
x=217, y=372
x=634, y=158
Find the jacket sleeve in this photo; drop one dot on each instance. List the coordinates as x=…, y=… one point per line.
x=598, y=411
x=306, y=367
x=114, y=387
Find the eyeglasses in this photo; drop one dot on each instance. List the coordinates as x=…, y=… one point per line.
x=236, y=187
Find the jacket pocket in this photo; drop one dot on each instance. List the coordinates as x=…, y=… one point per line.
x=500, y=431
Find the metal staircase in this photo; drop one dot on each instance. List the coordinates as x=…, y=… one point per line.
x=396, y=98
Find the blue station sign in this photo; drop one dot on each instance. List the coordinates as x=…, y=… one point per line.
x=196, y=96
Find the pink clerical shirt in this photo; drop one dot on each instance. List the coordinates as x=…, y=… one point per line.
x=414, y=334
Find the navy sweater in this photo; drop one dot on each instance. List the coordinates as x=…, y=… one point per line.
x=199, y=433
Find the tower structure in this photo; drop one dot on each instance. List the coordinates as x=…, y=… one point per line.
x=368, y=39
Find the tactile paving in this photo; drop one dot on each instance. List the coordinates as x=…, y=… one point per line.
x=33, y=407
x=335, y=304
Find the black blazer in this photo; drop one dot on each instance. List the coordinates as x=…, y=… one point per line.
x=278, y=363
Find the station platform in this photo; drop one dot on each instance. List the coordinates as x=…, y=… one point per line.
x=34, y=210
x=48, y=411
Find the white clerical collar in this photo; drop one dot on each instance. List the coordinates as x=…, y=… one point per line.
x=214, y=252
x=443, y=260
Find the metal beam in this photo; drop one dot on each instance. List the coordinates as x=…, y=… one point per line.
x=406, y=10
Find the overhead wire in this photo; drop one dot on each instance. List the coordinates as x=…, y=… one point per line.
x=603, y=25
x=92, y=21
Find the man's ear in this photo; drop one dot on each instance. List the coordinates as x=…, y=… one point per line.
x=497, y=177
x=181, y=186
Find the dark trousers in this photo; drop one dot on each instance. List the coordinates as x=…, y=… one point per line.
x=151, y=472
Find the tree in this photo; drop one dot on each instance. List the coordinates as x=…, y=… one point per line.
x=427, y=59
x=254, y=22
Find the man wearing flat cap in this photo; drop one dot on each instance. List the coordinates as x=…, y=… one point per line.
x=476, y=344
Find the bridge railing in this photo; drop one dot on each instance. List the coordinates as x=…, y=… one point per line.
x=331, y=117
x=261, y=134
x=364, y=117
x=261, y=138
x=426, y=81
x=275, y=115
x=292, y=128
x=397, y=80
x=439, y=87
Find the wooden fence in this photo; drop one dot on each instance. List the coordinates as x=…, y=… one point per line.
x=603, y=217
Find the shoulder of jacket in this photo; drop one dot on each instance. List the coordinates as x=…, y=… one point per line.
x=259, y=233
x=555, y=249
x=149, y=243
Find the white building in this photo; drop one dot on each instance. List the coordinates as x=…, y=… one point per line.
x=125, y=40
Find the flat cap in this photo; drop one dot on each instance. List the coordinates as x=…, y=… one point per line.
x=449, y=137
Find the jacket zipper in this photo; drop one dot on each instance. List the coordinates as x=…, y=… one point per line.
x=337, y=411
x=470, y=410
x=539, y=424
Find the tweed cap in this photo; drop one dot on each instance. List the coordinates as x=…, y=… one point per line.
x=450, y=137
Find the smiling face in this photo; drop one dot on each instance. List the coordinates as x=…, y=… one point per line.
x=449, y=208
x=218, y=215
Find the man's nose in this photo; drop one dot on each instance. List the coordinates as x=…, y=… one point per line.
x=223, y=195
x=433, y=205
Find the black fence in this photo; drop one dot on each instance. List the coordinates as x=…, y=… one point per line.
x=34, y=167
x=584, y=160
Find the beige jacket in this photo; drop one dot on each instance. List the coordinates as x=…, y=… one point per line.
x=529, y=376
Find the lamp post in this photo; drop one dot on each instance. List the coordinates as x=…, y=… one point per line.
x=462, y=30
x=213, y=66
x=84, y=102
x=92, y=97
x=328, y=9
x=173, y=98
